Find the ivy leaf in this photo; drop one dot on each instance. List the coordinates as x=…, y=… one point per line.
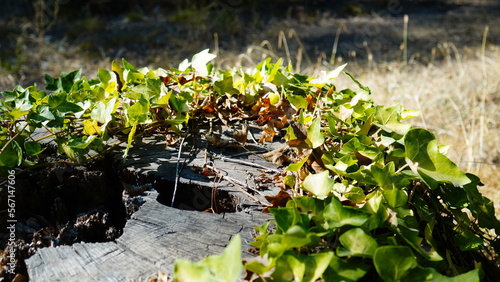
x=33, y=148
x=297, y=101
x=365, y=88
x=103, y=112
x=185, y=270
x=468, y=241
x=314, y=135
x=62, y=83
x=396, y=197
x=364, y=153
x=433, y=167
x=393, y=263
x=324, y=77
x=411, y=236
x=225, y=86
x=286, y=218
x=138, y=112
x=388, y=118
x=345, y=270
x=224, y=267
x=68, y=108
x=82, y=142
x=90, y=127
x=227, y=266
x=297, y=237
x=336, y=215
x=164, y=97
x=199, y=62
x=339, y=165
x=296, y=166
x=12, y=155
x=355, y=242
x=319, y=184
x=355, y=194
x=430, y=274
x=291, y=267
x=108, y=80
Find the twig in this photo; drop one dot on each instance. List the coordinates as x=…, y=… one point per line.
x=244, y=163
x=238, y=184
x=177, y=172
x=13, y=138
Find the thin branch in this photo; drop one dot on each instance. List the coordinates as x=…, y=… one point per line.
x=245, y=163
x=238, y=184
x=12, y=139
x=177, y=171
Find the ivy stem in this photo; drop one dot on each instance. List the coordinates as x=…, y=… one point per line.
x=12, y=139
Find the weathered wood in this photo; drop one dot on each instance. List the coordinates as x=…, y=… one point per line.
x=152, y=239
x=157, y=234
x=151, y=162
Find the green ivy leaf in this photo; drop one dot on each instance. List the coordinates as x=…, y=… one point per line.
x=396, y=197
x=138, y=112
x=345, y=270
x=64, y=82
x=296, y=166
x=314, y=135
x=393, y=263
x=82, y=142
x=355, y=242
x=33, y=148
x=365, y=88
x=412, y=236
x=164, y=97
x=430, y=274
x=432, y=166
x=296, y=237
x=297, y=101
x=468, y=241
x=336, y=215
x=287, y=217
x=108, y=80
x=12, y=155
x=355, y=194
x=68, y=108
x=225, y=86
x=364, y=152
x=291, y=267
x=388, y=118
x=224, y=267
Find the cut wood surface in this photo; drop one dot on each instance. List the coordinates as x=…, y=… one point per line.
x=152, y=239
x=230, y=180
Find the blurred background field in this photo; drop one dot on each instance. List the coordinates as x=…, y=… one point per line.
x=439, y=57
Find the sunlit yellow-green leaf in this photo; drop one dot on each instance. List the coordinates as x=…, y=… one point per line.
x=319, y=184
x=314, y=135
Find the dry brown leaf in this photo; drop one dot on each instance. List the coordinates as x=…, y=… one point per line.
x=277, y=156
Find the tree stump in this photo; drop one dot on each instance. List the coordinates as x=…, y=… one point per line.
x=229, y=183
